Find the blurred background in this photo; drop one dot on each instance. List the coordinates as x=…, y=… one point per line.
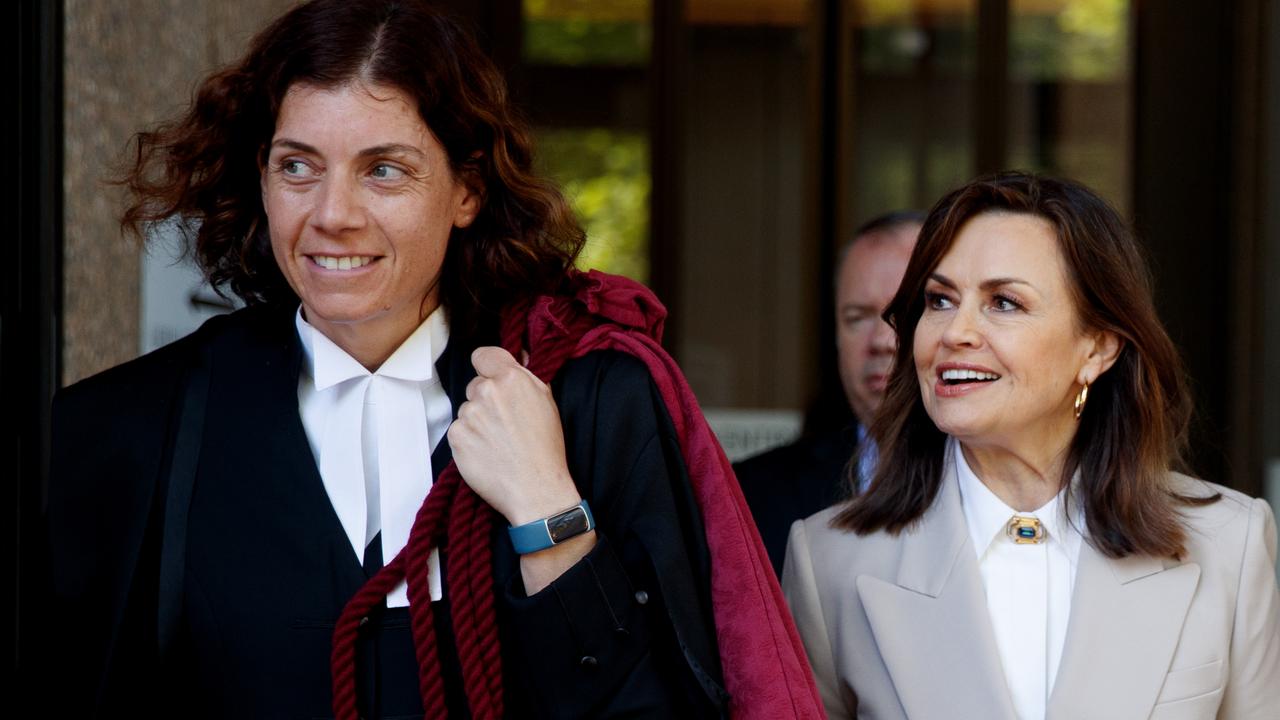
x=719, y=151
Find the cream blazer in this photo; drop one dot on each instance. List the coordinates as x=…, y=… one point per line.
x=897, y=626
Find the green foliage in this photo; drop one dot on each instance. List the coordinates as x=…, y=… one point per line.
x=1085, y=40
x=580, y=42
x=575, y=32
x=605, y=175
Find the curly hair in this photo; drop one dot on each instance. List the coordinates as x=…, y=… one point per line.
x=204, y=166
x=1134, y=428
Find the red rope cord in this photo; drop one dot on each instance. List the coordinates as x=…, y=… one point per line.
x=455, y=513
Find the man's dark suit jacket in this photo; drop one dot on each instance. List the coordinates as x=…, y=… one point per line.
x=794, y=481
x=628, y=630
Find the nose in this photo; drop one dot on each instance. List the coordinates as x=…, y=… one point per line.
x=884, y=341
x=337, y=208
x=961, y=330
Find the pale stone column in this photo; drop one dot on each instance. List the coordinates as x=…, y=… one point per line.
x=128, y=65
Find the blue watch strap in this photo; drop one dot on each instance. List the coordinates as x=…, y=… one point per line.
x=542, y=534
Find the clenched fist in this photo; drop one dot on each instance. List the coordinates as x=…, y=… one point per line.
x=508, y=443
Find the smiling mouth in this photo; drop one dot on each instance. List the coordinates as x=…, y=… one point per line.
x=965, y=377
x=345, y=262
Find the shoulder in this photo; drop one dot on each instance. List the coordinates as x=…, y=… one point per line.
x=821, y=579
x=138, y=374
x=175, y=356
x=823, y=455
x=770, y=477
x=1222, y=533
x=824, y=536
x=611, y=380
x=139, y=384
x=612, y=413
x=598, y=366
x=818, y=537
x=151, y=378
x=1232, y=506
x=770, y=460
x=839, y=555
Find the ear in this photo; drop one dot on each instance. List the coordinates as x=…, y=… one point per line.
x=473, y=191
x=1104, y=350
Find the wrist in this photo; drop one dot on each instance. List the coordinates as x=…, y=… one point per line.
x=558, y=495
x=540, y=569
x=552, y=530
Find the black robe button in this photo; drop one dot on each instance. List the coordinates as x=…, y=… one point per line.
x=588, y=661
x=642, y=597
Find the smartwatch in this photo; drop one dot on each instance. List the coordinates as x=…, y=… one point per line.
x=542, y=534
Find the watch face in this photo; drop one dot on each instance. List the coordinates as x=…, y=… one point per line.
x=567, y=524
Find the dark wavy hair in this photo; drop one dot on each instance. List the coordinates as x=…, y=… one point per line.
x=1134, y=427
x=204, y=166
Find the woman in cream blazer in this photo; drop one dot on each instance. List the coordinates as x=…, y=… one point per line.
x=1023, y=553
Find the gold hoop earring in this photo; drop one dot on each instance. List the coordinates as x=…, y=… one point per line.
x=1081, y=398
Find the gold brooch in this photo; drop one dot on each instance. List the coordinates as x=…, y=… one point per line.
x=1025, y=530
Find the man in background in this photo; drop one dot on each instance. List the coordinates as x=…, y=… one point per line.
x=794, y=481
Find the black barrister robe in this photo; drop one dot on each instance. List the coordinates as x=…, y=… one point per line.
x=268, y=568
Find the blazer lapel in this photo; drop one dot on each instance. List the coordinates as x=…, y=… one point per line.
x=1126, y=619
x=931, y=626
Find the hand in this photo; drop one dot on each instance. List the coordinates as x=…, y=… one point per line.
x=508, y=443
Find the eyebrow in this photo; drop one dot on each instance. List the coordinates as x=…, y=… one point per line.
x=984, y=285
x=392, y=149
x=376, y=150
x=294, y=145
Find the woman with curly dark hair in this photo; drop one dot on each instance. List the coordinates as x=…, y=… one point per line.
x=429, y=468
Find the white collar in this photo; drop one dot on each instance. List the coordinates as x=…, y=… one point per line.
x=415, y=359
x=987, y=515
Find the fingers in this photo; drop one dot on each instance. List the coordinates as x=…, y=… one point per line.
x=475, y=386
x=492, y=361
x=495, y=363
x=507, y=438
x=501, y=379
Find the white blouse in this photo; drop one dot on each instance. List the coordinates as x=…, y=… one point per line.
x=1028, y=586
